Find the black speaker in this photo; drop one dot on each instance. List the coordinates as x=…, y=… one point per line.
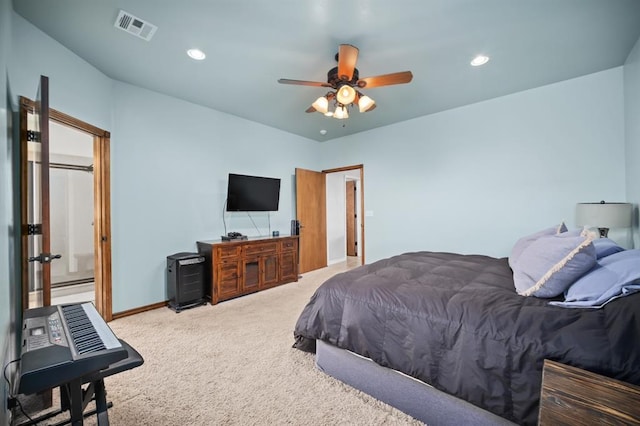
x=185, y=280
x=295, y=227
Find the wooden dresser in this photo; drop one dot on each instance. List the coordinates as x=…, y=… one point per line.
x=239, y=267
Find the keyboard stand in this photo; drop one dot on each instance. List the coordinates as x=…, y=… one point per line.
x=74, y=398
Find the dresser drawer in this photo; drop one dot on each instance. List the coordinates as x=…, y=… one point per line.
x=288, y=245
x=254, y=249
x=223, y=251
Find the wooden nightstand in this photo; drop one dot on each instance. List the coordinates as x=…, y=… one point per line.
x=571, y=396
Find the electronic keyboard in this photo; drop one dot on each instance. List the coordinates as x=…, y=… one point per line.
x=63, y=343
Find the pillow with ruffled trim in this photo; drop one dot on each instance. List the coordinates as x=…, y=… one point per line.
x=550, y=264
x=525, y=241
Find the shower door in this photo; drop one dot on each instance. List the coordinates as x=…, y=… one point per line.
x=72, y=216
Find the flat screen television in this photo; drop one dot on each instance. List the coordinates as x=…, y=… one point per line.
x=252, y=193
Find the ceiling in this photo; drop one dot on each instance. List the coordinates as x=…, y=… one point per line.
x=251, y=44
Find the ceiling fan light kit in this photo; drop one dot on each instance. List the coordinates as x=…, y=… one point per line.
x=343, y=79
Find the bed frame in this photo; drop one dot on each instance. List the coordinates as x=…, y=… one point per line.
x=409, y=395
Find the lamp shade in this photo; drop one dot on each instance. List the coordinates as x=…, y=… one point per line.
x=321, y=104
x=365, y=103
x=346, y=94
x=604, y=215
x=341, y=113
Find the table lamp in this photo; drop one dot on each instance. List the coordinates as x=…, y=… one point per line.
x=604, y=216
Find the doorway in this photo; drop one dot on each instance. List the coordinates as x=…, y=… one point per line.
x=83, y=170
x=71, y=204
x=70, y=214
x=343, y=230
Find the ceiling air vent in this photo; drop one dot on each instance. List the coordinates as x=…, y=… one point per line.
x=136, y=26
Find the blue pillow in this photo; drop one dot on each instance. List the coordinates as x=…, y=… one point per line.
x=614, y=276
x=525, y=241
x=606, y=247
x=550, y=264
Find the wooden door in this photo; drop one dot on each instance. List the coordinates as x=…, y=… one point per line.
x=352, y=237
x=250, y=274
x=269, y=266
x=312, y=215
x=34, y=182
x=288, y=266
x=228, y=280
x=36, y=256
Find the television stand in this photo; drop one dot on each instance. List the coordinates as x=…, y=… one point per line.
x=238, y=267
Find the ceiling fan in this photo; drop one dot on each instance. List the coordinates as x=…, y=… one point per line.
x=346, y=82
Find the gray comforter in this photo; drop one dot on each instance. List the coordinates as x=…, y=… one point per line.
x=455, y=321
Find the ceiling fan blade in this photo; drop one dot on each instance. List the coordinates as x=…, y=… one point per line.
x=303, y=82
x=347, y=57
x=386, y=79
x=310, y=109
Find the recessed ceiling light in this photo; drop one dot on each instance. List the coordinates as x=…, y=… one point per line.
x=196, y=54
x=323, y=132
x=479, y=60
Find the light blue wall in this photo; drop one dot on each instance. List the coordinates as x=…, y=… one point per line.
x=632, y=131
x=169, y=162
x=75, y=87
x=169, y=165
x=7, y=264
x=474, y=179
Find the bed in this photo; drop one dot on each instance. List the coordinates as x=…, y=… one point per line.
x=447, y=337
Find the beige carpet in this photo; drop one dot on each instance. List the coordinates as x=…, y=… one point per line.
x=233, y=364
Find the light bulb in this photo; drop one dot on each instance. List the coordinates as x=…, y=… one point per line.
x=479, y=60
x=196, y=54
x=346, y=94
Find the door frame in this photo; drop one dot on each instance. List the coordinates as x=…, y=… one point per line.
x=361, y=168
x=351, y=212
x=101, y=204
